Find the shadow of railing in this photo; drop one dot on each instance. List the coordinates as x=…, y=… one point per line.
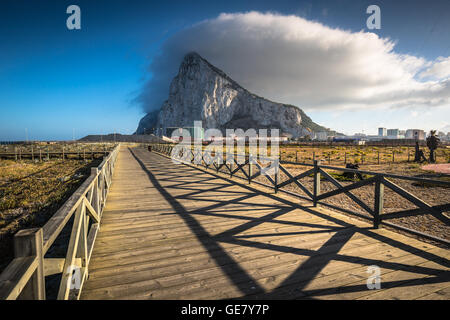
x=168, y=178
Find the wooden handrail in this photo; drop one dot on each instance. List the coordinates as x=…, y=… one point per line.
x=24, y=277
x=379, y=180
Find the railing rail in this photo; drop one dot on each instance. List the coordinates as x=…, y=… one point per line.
x=318, y=171
x=24, y=277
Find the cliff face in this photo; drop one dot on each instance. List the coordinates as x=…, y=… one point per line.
x=200, y=91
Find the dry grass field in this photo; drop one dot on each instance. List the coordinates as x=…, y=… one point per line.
x=362, y=155
x=32, y=191
x=339, y=155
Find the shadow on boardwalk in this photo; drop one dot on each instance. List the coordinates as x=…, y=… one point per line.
x=161, y=170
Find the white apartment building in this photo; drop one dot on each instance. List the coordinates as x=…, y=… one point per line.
x=415, y=134
x=321, y=136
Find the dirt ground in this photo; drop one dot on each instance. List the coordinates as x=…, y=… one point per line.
x=438, y=168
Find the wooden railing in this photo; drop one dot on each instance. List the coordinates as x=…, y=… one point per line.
x=42, y=155
x=318, y=171
x=24, y=277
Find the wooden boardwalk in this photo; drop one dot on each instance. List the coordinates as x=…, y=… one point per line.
x=176, y=232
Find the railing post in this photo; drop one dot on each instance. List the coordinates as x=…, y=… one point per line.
x=316, y=190
x=277, y=169
x=379, y=197
x=95, y=197
x=250, y=169
x=218, y=162
x=28, y=243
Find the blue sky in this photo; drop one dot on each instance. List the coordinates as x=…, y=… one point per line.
x=55, y=81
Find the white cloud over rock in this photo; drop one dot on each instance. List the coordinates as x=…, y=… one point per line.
x=293, y=60
x=439, y=69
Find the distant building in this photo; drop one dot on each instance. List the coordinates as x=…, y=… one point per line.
x=415, y=134
x=358, y=140
x=374, y=138
x=444, y=137
x=321, y=136
x=382, y=132
x=394, y=134
x=284, y=137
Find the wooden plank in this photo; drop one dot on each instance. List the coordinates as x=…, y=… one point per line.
x=53, y=266
x=91, y=239
x=56, y=265
x=91, y=211
x=16, y=276
x=379, y=202
x=316, y=183
x=441, y=294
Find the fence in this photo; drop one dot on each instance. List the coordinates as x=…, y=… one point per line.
x=379, y=181
x=41, y=153
x=361, y=155
x=24, y=277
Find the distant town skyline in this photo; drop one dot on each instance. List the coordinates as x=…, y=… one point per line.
x=61, y=84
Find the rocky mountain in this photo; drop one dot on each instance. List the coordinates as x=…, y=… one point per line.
x=201, y=91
